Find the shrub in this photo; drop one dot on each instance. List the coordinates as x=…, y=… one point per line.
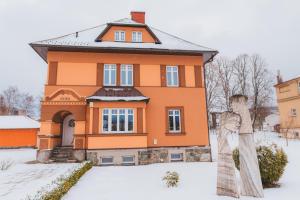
x=5, y=164
x=63, y=185
x=272, y=161
x=171, y=178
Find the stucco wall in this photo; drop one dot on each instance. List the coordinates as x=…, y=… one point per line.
x=18, y=138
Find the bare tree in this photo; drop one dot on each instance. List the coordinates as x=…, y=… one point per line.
x=13, y=101
x=212, y=86
x=261, y=85
x=241, y=72
x=226, y=79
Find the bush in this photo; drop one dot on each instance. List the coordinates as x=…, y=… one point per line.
x=62, y=185
x=5, y=164
x=171, y=178
x=272, y=161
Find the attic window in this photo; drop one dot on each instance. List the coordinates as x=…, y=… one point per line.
x=119, y=36
x=136, y=36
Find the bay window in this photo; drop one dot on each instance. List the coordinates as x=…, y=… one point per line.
x=117, y=120
x=172, y=76
x=110, y=73
x=126, y=75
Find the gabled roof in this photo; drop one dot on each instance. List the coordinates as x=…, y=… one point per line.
x=17, y=122
x=118, y=94
x=85, y=40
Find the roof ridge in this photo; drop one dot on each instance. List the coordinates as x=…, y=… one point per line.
x=181, y=39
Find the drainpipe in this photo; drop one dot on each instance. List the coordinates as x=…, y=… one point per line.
x=208, y=61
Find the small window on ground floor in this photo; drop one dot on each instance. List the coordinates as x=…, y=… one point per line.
x=107, y=160
x=175, y=157
x=128, y=160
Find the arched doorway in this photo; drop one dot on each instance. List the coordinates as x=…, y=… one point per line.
x=68, y=130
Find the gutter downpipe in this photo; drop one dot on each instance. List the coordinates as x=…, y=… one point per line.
x=208, y=61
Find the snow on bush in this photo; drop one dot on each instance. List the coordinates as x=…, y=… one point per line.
x=5, y=164
x=171, y=179
x=62, y=184
x=272, y=161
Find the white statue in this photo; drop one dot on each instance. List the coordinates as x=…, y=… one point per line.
x=249, y=168
x=226, y=180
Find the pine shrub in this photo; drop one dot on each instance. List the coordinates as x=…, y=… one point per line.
x=171, y=179
x=272, y=161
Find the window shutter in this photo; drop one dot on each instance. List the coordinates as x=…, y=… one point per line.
x=100, y=68
x=198, y=75
x=136, y=75
x=52, y=76
x=118, y=74
x=95, y=120
x=182, y=120
x=181, y=70
x=139, y=120
x=163, y=75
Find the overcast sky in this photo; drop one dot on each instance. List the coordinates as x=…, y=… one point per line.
x=268, y=27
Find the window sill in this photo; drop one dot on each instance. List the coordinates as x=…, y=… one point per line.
x=175, y=133
x=117, y=134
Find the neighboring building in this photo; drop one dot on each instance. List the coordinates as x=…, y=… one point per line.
x=124, y=92
x=271, y=122
x=18, y=131
x=288, y=98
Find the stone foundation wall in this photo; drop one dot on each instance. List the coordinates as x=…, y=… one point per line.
x=151, y=155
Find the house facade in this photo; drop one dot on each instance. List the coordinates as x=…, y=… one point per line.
x=288, y=99
x=122, y=93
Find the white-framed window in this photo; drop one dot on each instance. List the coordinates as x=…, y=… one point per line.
x=137, y=36
x=128, y=160
x=174, y=120
x=172, y=76
x=117, y=120
x=107, y=160
x=126, y=75
x=176, y=157
x=119, y=36
x=110, y=74
x=293, y=112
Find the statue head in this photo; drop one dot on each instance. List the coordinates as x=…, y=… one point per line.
x=238, y=103
x=230, y=121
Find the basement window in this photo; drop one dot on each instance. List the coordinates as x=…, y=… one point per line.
x=107, y=161
x=176, y=157
x=128, y=160
x=293, y=112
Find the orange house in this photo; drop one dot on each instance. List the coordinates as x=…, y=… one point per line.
x=124, y=93
x=18, y=131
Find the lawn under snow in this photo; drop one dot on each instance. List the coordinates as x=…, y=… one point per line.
x=197, y=180
x=22, y=180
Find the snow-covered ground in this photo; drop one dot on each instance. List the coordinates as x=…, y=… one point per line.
x=21, y=179
x=197, y=180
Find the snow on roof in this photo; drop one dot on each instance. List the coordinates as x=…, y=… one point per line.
x=17, y=122
x=86, y=38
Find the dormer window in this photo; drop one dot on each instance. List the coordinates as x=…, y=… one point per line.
x=119, y=36
x=137, y=36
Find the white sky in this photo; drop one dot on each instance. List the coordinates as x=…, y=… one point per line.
x=268, y=27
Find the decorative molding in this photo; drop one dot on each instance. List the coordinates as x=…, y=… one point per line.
x=64, y=94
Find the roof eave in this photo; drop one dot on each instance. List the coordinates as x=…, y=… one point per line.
x=42, y=50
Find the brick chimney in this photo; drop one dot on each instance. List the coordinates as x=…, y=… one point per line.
x=279, y=77
x=138, y=16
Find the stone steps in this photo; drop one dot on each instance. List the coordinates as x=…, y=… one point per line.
x=62, y=155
